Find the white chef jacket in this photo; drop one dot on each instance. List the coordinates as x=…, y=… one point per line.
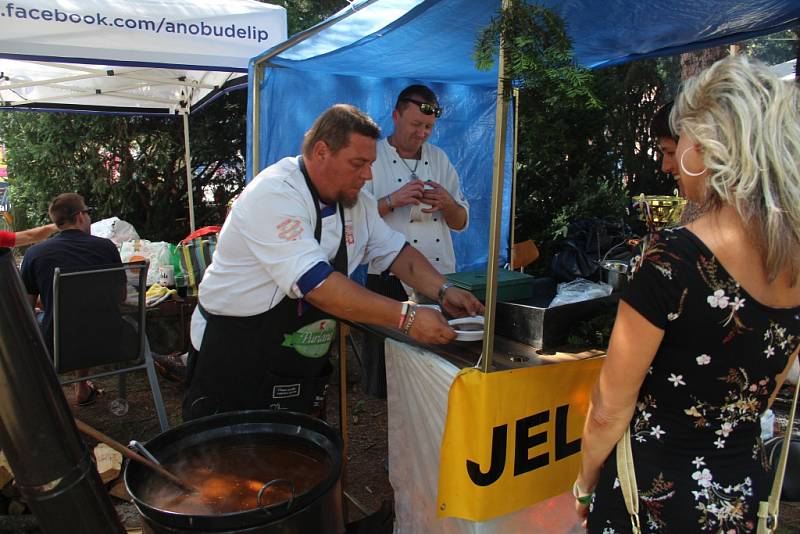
x=431, y=236
x=267, y=244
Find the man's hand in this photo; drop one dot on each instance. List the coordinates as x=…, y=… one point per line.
x=430, y=326
x=460, y=303
x=437, y=197
x=411, y=193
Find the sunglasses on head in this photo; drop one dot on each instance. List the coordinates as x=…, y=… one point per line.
x=426, y=108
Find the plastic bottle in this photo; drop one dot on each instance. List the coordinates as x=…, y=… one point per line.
x=166, y=272
x=180, y=284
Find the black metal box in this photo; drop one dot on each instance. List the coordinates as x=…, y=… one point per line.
x=530, y=321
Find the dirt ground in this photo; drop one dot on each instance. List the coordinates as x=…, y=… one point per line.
x=366, y=481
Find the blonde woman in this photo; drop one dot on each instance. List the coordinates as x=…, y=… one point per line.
x=709, y=323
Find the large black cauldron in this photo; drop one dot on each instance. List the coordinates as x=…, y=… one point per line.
x=318, y=510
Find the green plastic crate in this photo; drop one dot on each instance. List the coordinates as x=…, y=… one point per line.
x=511, y=285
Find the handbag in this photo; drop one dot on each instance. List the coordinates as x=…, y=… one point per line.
x=767, y=510
x=195, y=255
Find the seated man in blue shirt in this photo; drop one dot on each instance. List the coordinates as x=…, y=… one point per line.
x=73, y=247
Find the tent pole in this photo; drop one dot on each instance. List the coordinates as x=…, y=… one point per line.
x=188, y=161
x=515, y=95
x=495, y=219
x=258, y=75
x=255, y=156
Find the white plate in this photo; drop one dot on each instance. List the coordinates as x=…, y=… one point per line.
x=467, y=335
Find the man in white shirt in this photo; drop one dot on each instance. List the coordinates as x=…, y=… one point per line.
x=419, y=194
x=279, y=276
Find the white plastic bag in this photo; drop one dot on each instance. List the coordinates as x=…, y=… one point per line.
x=115, y=229
x=155, y=252
x=579, y=290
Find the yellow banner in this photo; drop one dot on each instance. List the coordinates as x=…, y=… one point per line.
x=512, y=438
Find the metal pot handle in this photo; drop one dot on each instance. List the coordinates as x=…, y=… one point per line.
x=271, y=483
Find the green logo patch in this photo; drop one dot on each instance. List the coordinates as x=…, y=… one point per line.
x=313, y=340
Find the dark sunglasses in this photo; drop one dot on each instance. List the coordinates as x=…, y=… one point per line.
x=427, y=109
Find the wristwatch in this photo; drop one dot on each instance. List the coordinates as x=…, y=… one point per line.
x=442, y=291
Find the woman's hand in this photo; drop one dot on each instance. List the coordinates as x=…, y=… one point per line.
x=583, y=498
x=583, y=512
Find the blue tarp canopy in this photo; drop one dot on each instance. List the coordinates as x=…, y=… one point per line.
x=384, y=45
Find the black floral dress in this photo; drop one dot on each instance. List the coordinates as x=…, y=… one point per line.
x=696, y=428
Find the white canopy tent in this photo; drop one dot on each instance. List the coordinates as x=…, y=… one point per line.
x=131, y=57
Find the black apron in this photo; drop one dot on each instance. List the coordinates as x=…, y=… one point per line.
x=274, y=360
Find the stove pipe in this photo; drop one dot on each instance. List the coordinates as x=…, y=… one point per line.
x=52, y=465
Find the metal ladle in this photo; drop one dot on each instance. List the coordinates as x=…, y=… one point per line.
x=137, y=445
x=135, y=456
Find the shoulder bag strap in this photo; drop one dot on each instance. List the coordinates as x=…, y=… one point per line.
x=627, y=479
x=768, y=510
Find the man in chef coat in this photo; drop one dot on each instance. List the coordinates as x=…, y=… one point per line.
x=419, y=194
x=278, y=281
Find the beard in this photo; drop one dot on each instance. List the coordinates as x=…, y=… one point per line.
x=346, y=200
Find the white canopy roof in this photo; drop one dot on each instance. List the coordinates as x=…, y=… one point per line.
x=144, y=56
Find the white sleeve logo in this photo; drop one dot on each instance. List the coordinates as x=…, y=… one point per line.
x=290, y=229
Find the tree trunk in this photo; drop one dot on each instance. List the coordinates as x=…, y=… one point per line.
x=694, y=62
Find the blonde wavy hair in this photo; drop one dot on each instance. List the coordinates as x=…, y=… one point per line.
x=746, y=121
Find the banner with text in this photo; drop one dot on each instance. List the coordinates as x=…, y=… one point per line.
x=512, y=438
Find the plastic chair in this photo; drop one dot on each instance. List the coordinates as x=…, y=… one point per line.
x=94, y=326
x=523, y=254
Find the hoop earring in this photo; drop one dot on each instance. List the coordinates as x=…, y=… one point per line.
x=683, y=167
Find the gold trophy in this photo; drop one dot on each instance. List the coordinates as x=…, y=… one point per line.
x=659, y=211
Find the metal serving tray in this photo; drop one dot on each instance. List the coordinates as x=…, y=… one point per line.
x=530, y=321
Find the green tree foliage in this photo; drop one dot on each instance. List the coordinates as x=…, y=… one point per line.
x=584, y=143
x=773, y=49
x=132, y=167
x=303, y=14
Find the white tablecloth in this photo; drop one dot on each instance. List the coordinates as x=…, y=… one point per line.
x=418, y=383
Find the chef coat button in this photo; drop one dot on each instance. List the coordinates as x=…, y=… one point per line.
x=399, y=179
x=415, y=241
x=437, y=239
x=394, y=161
x=437, y=259
x=434, y=220
x=426, y=163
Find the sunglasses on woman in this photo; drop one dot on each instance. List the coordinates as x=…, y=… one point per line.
x=426, y=108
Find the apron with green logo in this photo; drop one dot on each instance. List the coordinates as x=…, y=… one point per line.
x=275, y=360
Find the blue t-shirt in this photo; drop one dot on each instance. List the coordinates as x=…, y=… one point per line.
x=70, y=248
